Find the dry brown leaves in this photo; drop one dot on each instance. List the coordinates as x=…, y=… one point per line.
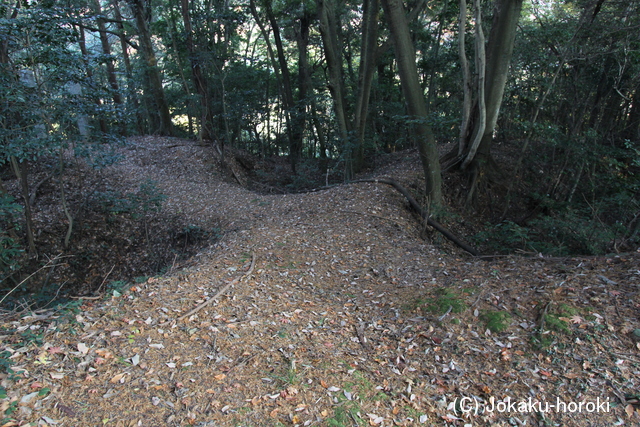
x=332, y=327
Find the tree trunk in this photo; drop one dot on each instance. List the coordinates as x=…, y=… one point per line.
x=366, y=72
x=466, y=78
x=21, y=171
x=111, y=69
x=133, y=97
x=632, y=128
x=293, y=132
x=160, y=114
x=481, y=63
x=436, y=52
x=499, y=50
x=474, y=149
x=304, y=78
x=414, y=97
x=329, y=32
x=85, y=56
x=200, y=83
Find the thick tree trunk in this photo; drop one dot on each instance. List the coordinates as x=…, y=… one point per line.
x=499, y=51
x=414, y=97
x=161, y=116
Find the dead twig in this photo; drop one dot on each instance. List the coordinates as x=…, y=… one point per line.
x=97, y=290
x=221, y=291
x=49, y=264
x=441, y=318
x=618, y=393
x=361, y=337
x=480, y=295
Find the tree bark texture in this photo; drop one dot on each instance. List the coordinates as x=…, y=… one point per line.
x=199, y=82
x=294, y=132
x=366, y=72
x=499, y=51
x=414, y=97
x=333, y=56
x=160, y=114
x=111, y=69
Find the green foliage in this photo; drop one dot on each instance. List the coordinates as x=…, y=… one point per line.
x=344, y=415
x=554, y=323
x=504, y=237
x=496, y=321
x=101, y=155
x=446, y=298
x=440, y=302
x=572, y=233
x=10, y=249
x=307, y=171
x=5, y=361
x=147, y=199
x=117, y=287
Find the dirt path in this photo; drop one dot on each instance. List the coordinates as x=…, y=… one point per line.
x=348, y=318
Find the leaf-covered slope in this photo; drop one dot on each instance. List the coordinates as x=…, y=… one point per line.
x=348, y=318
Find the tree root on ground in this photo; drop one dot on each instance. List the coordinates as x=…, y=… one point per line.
x=423, y=214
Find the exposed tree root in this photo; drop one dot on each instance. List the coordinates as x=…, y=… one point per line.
x=423, y=214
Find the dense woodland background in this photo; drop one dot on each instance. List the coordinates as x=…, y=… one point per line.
x=525, y=114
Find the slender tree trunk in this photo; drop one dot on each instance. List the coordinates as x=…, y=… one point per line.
x=133, y=97
x=436, y=52
x=304, y=77
x=322, y=141
x=293, y=132
x=414, y=97
x=85, y=55
x=466, y=78
x=111, y=69
x=160, y=114
x=329, y=32
x=366, y=72
x=632, y=128
x=474, y=148
x=200, y=83
x=21, y=171
x=185, y=85
x=481, y=62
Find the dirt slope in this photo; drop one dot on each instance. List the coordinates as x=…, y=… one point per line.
x=347, y=318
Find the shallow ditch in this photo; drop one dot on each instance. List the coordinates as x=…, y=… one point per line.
x=119, y=237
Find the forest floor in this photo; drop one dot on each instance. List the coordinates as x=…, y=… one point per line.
x=336, y=312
